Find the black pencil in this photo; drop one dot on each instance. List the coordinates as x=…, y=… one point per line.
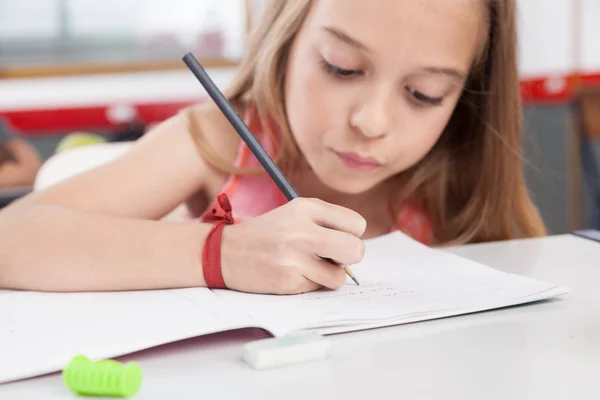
x=242, y=129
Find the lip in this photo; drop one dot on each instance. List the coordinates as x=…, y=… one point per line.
x=359, y=163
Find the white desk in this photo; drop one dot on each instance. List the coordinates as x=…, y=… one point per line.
x=542, y=351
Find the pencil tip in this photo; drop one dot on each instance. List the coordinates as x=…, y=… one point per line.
x=356, y=281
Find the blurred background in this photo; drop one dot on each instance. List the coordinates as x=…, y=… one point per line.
x=110, y=68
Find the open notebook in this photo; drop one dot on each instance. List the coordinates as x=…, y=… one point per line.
x=401, y=281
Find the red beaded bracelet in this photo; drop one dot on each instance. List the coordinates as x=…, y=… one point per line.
x=211, y=255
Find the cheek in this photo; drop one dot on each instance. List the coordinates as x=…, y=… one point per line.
x=423, y=133
x=310, y=103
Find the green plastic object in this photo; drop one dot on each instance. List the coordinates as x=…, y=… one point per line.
x=102, y=378
x=78, y=139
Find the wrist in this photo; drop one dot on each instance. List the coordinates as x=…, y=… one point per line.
x=196, y=237
x=229, y=254
x=220, y=217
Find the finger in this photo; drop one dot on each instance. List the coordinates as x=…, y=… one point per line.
x=337, y=217
x=324, y=273
x=342, y=247
x=304, y=285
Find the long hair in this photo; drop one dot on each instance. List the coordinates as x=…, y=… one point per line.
x=471, y=184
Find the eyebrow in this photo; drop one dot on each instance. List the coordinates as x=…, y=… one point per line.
x=335, y=32
x=340, y=35
x=454, y=73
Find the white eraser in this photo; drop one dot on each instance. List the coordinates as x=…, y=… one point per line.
x=293, y=349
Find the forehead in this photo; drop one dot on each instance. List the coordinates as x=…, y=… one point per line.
x=407, y=31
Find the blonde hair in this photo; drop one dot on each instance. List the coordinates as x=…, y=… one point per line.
x=470, y=184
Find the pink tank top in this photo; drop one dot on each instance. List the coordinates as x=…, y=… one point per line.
x=253, y=195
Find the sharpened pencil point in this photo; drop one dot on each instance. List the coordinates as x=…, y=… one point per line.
x=351, y=275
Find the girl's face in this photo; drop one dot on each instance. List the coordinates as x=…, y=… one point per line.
x=370, y=85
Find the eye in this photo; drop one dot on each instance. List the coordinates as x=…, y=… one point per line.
x=424, y=100
x=338, y=72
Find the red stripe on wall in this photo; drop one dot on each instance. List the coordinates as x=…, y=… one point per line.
x=543, y=90
x=590, y=79
x=47, y=121
x=558, y=89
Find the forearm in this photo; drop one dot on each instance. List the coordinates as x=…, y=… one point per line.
x=52, y=248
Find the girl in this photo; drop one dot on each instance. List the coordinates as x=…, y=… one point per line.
x=393, y=114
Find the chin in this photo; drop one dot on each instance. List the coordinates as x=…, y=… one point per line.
x=348, y=185
x=342, y=179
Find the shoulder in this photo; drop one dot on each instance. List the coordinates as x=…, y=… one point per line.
x=214, y=137
x=216, y=145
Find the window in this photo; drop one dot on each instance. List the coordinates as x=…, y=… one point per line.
x=71, y=35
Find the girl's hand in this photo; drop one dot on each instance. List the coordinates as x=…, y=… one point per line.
x=277, y=253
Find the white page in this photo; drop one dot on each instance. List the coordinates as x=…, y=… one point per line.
x=41, y=332
x=401, y=281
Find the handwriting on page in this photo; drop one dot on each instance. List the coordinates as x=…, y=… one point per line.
x=363, y=292
x=369, y=297
x=410, y=293
x=379, y=299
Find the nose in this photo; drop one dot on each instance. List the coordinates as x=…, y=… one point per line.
x=374, y=114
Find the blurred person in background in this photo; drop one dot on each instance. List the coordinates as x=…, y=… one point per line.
x=19, y=161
